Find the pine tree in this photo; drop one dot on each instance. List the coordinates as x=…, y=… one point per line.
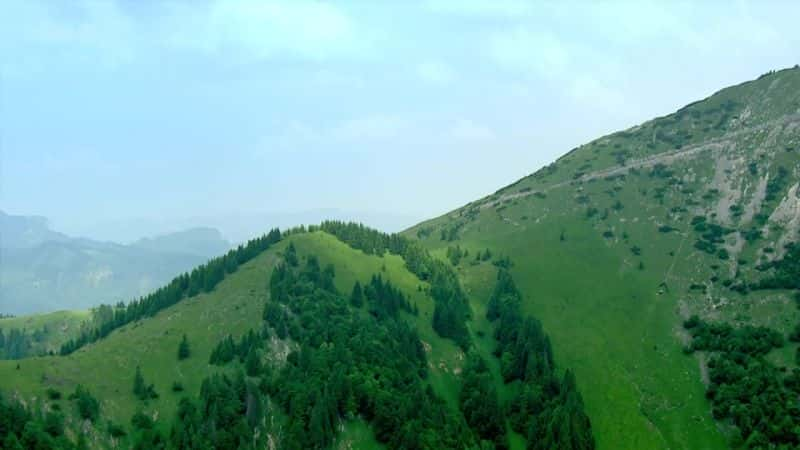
x=253, y=362
x=357, y=297
x=183, y=348
x=139, y=388
x=12, y=443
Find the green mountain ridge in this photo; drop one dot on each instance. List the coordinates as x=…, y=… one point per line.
x=607, y=246
x=655, y=259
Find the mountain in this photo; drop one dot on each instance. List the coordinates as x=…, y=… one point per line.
x=44, y=270
x=202, y=242
x=621, y=240
x=26, y=231
x=638, y=293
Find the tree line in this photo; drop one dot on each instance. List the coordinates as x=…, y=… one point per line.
x=201, y=279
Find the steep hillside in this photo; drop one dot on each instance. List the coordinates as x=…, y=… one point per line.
x=618, y=242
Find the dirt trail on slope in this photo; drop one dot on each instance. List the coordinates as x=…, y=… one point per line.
x=663, y=158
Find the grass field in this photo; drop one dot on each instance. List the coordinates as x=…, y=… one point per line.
x=606, y=319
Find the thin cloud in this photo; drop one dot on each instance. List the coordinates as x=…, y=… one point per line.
x=467, y=130
x=376, y=127
x=435, y=72
x=528, y=51
x=239, y=30
x=301, y=29
x=481, y=8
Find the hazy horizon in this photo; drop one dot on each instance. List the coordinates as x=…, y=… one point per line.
x=126, y=119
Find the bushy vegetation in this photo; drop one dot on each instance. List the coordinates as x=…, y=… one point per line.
x=745, y=387
x=784, y=273
x=777, y=184
x=711, y=235
x=142, y=390
x=87, y=406
x=454, y=254
x=21, y=428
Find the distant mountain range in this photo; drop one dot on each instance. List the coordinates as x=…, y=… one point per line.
x=44, y=270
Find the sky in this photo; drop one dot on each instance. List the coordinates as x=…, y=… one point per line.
x=125, y=118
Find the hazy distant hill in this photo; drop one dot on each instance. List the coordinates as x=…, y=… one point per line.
x=26, y=231
x=43, y=270
x=205, y=242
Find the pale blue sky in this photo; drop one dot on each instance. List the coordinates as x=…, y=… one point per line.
x=172, y=113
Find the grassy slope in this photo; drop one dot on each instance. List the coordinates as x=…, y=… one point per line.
x=609, y=325
x=107, y=367
x=609, y=320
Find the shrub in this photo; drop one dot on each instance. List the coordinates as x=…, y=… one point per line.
x=53, y=394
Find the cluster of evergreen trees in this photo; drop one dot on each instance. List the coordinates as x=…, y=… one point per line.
x=202, y=279
x=451, y=309
x=479, y=403
x=16, y=344
x=141, y=389
x=249, y=351
x=226, y=416
x=21, y=427
x=347, y=365
x=383, y=298
x=784, y=273
x=747, y=388
x=352, y=364
x=547, y=410
x=454, y=254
